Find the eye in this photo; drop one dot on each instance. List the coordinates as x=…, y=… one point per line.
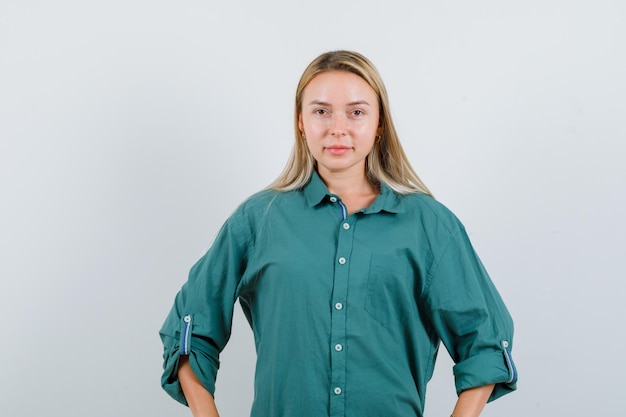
x=357, y=112
x=321, y=112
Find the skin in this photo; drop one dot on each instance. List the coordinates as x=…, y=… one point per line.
x=199, y=399
x=340, y=120
x=472, y=401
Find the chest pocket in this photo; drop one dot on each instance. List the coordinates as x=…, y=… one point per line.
x=390, y=290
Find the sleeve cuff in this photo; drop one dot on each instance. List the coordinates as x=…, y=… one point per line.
x=488, y=368
x=204, y=362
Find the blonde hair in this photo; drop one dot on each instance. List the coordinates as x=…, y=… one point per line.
x=386, y=163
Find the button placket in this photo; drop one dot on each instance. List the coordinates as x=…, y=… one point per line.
x=337, y=340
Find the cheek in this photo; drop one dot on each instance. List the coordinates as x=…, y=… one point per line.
x=315, y=128
x=311, y=144
x=369, y=129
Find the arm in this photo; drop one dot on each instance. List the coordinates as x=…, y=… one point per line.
x=199, y=322
x=472, y=401
x=472, y=321
x=199, y=399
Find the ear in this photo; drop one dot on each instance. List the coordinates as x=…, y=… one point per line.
x=300, y=124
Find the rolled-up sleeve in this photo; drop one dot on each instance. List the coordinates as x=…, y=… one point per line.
x=199, y=323
x=470, y=318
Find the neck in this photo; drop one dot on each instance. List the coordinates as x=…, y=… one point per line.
x=345, y=184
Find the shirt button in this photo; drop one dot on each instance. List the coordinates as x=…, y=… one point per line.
x=337, y=390
x=187, y=318
x=333, y=199
x=342, y=260
x=505, y=344
x=338, y=306
x=338, y=347
x=346, y=226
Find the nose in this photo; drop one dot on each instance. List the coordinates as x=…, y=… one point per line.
x=339, y=125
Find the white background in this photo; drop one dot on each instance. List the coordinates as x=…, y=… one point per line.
x=130, y=130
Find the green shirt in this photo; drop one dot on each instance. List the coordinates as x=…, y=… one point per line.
x=347, y=311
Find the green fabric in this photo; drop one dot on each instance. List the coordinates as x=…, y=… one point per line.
x=410, y=280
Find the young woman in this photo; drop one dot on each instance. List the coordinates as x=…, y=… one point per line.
x=349, y=272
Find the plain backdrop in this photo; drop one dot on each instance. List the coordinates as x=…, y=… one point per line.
x=130, y=130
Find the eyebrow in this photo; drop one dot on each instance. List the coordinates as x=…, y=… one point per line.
x=352, y=103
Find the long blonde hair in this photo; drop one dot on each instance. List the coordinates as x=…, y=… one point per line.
x=386, y=163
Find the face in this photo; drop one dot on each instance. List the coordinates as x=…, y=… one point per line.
x=340, y=119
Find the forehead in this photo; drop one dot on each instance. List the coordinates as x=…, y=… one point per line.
x=338, y=85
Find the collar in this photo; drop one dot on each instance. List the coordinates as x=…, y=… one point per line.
x=316, y=192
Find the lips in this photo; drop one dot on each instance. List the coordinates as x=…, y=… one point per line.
x=337, y=150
